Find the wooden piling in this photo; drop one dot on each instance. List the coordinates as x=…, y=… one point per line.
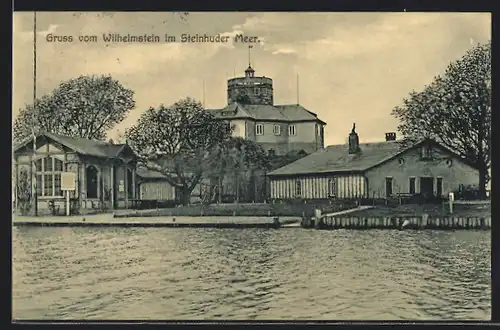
x=317, y=218
x=423, y=223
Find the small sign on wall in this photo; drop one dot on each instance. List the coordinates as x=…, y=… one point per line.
x=68, y=181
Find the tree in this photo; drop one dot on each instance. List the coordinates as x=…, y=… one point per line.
x=455, y=110
x=86, y=107
x=178, y=142
x=237, y=157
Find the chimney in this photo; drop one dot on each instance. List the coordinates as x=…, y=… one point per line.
x=354, y=141
x=391, y=136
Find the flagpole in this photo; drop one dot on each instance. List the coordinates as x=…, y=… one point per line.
x=34, y=186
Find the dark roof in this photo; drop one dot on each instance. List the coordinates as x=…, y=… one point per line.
x=285, y=113
x=336, y=158
x=82, y=146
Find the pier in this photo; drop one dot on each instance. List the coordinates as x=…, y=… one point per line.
x=407, y=222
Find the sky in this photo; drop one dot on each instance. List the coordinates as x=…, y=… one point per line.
x=352, y=67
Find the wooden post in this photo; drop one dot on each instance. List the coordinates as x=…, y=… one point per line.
x=425, y=218
x=67, y=202
x=134, y=193
x=317, y=218
x=451, y=197
x=113, y=185
x=99, y=188
x=125, y=183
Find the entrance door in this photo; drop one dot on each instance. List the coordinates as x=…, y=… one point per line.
x=427, y=186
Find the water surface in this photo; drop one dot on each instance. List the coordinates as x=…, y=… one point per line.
x=188, y=273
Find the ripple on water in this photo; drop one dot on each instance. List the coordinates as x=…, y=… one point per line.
x=134, y=273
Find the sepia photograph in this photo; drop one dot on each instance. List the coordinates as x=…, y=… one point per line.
x=226, y=166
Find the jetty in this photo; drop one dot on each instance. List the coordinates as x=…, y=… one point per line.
x=343, y=221
x=110, y=220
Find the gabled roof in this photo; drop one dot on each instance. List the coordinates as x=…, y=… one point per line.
x=284, y=113
x=336, y=158
x=81, y=146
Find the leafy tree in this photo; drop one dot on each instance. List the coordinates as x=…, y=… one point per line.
x=178, y=142
x=455, y=109
x=87, y=107
x=237, y=158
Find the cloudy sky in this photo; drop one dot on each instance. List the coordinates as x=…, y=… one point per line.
x=352, y=67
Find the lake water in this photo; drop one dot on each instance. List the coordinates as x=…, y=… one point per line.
x=183, y=273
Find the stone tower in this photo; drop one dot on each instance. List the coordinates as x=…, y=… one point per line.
x=250, y=89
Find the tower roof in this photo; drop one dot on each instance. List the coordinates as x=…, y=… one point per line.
x=249, y=72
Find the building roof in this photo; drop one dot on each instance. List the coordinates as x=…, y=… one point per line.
x=336, y=158
x=80, y=145
x=145, y=173
x=285, y=113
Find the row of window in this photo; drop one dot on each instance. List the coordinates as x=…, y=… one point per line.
x=48, y=179
x=48, y=176
x=332, y=188
x=425, y=182
x=259, y=129
x=426, y=186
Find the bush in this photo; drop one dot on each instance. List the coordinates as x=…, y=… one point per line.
x=467, y=192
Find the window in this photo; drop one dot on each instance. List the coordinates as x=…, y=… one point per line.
x=48, y=177
x=277, y=130
x=439, y=187
x=332, y=189
x=271, y=153
x=388, y=187
x=91, y=177
x=291, y=130
x=256, y=90
x=412, y=186
x=298, y=188
x=259, y=129
x=426, y=152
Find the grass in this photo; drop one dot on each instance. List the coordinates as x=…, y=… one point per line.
x=433, y=210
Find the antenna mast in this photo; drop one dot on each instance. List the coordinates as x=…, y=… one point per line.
x=249, y=55
x=33, y=178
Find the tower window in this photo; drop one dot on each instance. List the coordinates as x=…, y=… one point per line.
x=291, y=130
x=256, y=90
x=259, y=129
x=277, y=130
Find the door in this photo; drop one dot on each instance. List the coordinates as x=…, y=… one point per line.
x=439, y=187
x=388, y=187
x=427, y=186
